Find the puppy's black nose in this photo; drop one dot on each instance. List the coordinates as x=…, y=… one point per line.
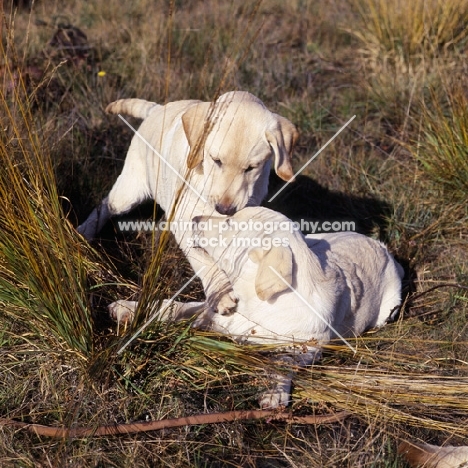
x=225, y=209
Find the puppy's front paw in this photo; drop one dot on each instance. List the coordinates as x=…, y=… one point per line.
x=224, y=304
x=122, y=311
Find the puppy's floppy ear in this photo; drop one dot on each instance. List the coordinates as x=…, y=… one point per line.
x=196, y=129
x=267, y=282
x=282, y=138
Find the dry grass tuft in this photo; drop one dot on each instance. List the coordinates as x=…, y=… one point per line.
x=409, y=31
x=44, y=268
x=442, y=150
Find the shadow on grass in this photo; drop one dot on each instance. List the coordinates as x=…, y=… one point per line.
x=303, y=199
x=306, y=199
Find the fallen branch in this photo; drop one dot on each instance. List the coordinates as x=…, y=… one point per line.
x=132, y=428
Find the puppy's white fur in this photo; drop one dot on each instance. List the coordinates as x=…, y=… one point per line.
x=299, y=291
x=222, y=151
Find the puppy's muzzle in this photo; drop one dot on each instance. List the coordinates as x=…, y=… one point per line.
x=225, y=209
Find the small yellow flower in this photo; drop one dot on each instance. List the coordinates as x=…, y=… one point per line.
x=101, y=73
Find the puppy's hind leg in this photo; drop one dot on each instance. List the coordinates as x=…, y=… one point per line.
x=129, y=190
x=279, y=393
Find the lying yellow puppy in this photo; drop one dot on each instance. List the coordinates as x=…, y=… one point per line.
x=291, y=289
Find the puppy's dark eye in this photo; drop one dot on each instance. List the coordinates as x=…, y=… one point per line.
x=250, y=168
x=218, y=162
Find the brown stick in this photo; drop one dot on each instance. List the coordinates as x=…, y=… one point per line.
x=132, y=428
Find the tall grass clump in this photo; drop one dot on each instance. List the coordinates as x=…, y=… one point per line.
x=400, y=30
x=45, y=269
x=442, y=145
x=405, y=47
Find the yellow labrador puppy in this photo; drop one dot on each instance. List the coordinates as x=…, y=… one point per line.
x=195, y=158
x=296, y=292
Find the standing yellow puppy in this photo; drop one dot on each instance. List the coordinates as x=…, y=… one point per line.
x=195, y=158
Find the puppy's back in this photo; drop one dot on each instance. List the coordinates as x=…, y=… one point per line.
x=372, y=275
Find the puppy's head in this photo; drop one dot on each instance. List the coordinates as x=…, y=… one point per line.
x=220, y=238
x=211, y=233
x=233, y=142
x=275, y=270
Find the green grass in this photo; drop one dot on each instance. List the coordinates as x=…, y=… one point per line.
x=43, y=267
x=442, y=150
x=400, y=171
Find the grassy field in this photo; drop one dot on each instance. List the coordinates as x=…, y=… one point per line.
x=400, y=170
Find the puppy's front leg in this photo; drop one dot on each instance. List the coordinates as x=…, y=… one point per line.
x=123, y=312
x=219, y=294
x=129, y=190
x=218, y=289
